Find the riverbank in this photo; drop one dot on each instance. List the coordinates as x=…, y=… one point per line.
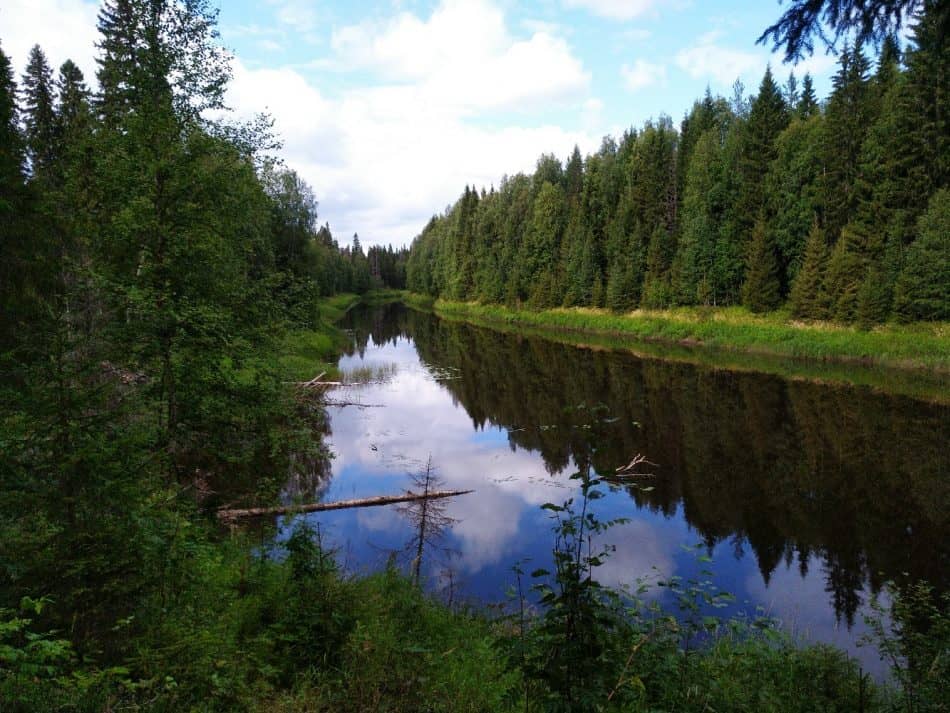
x=912, y=360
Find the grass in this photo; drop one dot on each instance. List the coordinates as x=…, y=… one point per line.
x=307, y=352
x=911, y=360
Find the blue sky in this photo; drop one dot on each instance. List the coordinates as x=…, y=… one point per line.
x=389, y=108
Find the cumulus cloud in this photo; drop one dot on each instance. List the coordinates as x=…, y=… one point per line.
x=707, y=59
x=464, y=57
x=384, y=156
x=65, y=29
x=642, y=74
x=614, y=9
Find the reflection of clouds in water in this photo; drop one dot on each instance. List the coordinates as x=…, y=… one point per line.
x=383, y=519
x=801, y=604
x=642, y=552
x=383, y=444
x=377, y=447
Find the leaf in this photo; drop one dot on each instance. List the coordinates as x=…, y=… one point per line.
x=540, y=573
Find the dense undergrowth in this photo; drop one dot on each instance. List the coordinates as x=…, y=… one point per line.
x=282, y=628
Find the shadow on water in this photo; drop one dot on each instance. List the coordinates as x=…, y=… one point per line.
x=791, y=475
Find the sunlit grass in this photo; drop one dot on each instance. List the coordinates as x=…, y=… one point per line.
x=917, y=346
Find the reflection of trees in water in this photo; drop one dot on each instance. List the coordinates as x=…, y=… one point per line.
x=790, y=468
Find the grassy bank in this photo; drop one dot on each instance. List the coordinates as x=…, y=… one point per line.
x=912, y=360
x=307, y=352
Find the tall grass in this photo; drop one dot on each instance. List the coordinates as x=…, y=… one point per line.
x=909, y=360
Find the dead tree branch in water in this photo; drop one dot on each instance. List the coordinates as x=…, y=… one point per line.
x=230, y=515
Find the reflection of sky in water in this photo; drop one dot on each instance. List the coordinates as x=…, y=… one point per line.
x=501, y=524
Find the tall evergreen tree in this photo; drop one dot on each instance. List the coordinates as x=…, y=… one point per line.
x=761, y=291
x=39, y=117
x=12, y=204
x=807, y=298
x=11, y=146
x=848, y=116
x=923, y=288
x=807, y=105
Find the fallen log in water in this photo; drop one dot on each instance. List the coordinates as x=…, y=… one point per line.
x=229, y=515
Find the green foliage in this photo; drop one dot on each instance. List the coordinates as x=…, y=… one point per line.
x=573, y=651
x=807, y=298
x=760, y=292
x=660, y=218
x=913, y=635
x=923, y=288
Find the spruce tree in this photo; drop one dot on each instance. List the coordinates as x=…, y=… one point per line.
x=39, y=118
x=807, y=298
x=699, y=223
x=13, y=216
x=120, y=47
x=761, y=291
x=848, y=116
x=73, y=99
x=11, y=145
x=923, y=287
x=807, y=106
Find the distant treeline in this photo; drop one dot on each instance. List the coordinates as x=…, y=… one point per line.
x=840, y=209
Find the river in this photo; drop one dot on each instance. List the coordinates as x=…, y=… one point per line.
x=801, y=498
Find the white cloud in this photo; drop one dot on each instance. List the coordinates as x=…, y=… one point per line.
x=384, y=157
x=643, y=74
x=65, y=29
x=721, y=64
x=464, y=58
x=298, y=14
x=614, y=9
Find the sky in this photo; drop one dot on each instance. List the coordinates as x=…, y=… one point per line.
x=389, y=108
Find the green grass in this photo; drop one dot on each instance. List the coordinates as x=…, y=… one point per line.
x=307, y=352
x=911, y=360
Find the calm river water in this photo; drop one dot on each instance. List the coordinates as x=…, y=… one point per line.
x=805, y=496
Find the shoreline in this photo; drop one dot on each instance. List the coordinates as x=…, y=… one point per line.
x=911, y=361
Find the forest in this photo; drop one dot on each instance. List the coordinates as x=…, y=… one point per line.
x=836, y=210
x=159, y=266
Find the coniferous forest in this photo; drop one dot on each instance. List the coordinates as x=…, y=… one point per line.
x=838, y=209
x=165, y=283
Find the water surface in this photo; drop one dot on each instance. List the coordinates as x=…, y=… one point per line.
x=806, y=496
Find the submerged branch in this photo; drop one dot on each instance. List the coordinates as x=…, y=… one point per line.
x=229, y=515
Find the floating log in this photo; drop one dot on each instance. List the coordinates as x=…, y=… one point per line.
x=229, y=515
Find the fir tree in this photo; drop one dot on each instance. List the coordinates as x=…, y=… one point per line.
x=760, y=292
x=39, y=117
x=807, y=298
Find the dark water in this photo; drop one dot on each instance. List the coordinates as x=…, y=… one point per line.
x=807, y=497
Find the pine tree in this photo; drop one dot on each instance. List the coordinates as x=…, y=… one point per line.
x=760, y=292
x=923, y=287
x=807, y=298
x=39, y=117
